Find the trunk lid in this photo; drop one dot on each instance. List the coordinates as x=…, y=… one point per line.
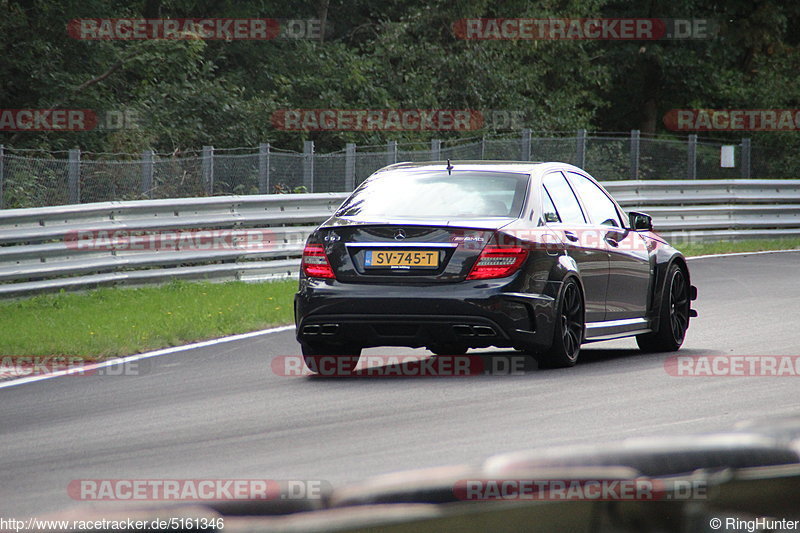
x=405, y=251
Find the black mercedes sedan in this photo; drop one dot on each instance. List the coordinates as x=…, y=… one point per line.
x=465, y=254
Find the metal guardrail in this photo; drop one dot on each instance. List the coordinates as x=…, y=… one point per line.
x=41, y=248
x=707, y=210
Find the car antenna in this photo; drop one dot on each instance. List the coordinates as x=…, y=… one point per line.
x=449, y=168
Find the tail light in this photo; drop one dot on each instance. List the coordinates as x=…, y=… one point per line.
x=315, y=262
x=498, y=262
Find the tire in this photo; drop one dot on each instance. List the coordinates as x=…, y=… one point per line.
x=673, y=315
x=447, y=349
x=331, y=360
x=568, y=331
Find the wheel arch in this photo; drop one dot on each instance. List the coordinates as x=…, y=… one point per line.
x=568, y=269
x=659, y=287
x=680, y=260
x=572, y=275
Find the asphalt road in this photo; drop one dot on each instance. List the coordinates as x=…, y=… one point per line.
x=221, y=411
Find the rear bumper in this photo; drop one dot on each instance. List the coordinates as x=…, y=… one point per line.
x=471, y=314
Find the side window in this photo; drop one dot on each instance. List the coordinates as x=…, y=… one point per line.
x=599, y=207
x=569, y=210
x=549, y=213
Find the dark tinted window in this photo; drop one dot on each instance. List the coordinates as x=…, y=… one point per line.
x=464, y=194
x=569, y=210
x=599, y=207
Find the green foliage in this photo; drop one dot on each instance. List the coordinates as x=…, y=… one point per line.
x=378, y=55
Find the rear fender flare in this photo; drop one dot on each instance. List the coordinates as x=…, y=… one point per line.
x=564, y=268
x=660, y=285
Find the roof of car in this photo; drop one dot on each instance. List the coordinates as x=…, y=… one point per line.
x=528, y=167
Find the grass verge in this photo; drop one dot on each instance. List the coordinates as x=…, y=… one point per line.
x=749, y=245
x=121, y=321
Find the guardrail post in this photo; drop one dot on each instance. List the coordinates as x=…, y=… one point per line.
x=691, y=161
x=2, y=174
x=147, y=173
x=635, y=154
x=263, y=168
x=436, y=149
x=580, y=149
x=349, y=166
x=208, y=169
x=74, y=176
x=308, y=165
x=525, y=153
x=745, y=159
x=391, y=153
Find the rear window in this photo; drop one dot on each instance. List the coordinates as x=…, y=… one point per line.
x=462, y=194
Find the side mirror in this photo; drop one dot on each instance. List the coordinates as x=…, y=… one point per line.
x=551, y=217
x=640, y=221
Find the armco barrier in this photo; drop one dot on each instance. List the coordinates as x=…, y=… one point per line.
x=38, y=250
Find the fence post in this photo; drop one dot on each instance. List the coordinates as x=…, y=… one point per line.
x=436, y=149
x=208, y=169
x=691, y=161
x=349, y=166
x=635, y=154
x=746, y=159
x=2, y=174
x=483, y=147
x=147, y=173
x=74, y=176
x=391, y=154
x=263, y=168
x=526, y=144
x=580, y=149
x=308, y=165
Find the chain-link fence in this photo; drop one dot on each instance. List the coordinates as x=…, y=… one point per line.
x=32, y=179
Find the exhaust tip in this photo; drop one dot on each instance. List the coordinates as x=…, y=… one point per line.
x=329, y=329
x=465, y=330
x=321, y=329
x=313, y=329
x=483, y=331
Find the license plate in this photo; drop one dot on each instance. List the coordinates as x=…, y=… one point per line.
x=401, y=259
